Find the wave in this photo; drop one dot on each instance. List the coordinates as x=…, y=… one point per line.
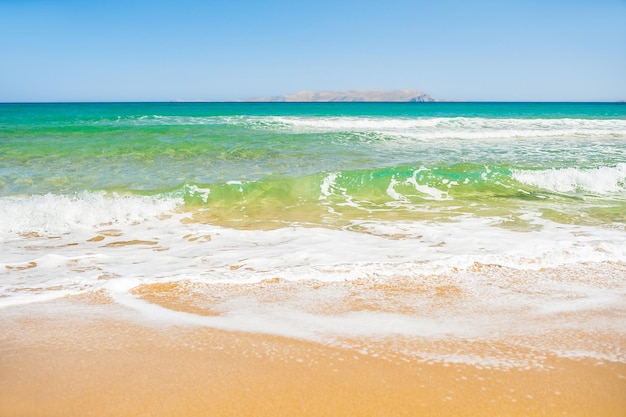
x=601, y=180
x=427, y=127
x=402, y=191
x=462, y=128
x=57, y=214
x=457, y=181
x=376, y=123
x=376, y=186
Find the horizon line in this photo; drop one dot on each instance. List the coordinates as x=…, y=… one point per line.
x=177, y=101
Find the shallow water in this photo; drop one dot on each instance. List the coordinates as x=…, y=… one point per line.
x=447, y=222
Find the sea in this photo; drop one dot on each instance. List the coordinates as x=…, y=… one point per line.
x=463, y=232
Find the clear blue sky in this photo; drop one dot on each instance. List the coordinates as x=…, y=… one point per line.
x=136, y=50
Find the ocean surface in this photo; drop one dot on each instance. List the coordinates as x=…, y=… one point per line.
x=446, y=223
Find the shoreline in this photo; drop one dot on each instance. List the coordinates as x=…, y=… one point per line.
x=76, y=357
x=313, y=259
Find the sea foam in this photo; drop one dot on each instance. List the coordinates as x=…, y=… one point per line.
x=455, y=127
x=415, y=127
x=50, y=213
x=602, y=180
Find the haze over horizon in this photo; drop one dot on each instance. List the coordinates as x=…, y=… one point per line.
x=65, y=50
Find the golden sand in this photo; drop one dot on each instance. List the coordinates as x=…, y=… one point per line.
x=100, y=364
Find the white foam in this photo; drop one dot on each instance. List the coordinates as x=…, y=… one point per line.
x=50, y=214
x=329, y=187
x=429, y=192
x=490, y=306
x=328, y=183
x=364, y=249
x=391, y=191
x=602, y=180
x=421, y=128
x=23, y=299
x=455, y=127
x=171, y=120
x=202, y=192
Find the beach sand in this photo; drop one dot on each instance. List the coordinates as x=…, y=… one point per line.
x=82, y=356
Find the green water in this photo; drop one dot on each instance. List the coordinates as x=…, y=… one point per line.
x=300, y=161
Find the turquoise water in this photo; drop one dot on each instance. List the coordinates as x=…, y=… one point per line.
x=258, y=160
x=456, y=227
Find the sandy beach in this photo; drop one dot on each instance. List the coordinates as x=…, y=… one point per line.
x=85, y=356
x=309, y=259
x=312, y=209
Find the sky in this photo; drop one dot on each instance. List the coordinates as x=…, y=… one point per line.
x=482, y=50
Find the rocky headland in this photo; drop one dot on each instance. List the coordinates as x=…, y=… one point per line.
x=351, y=96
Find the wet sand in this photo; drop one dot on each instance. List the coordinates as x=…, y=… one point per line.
x=77, y=357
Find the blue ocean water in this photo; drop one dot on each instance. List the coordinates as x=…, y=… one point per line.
x=481, y=197
x=286, y=151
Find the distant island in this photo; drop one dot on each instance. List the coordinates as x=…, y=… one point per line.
x=351, y=96
x=345, y=96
